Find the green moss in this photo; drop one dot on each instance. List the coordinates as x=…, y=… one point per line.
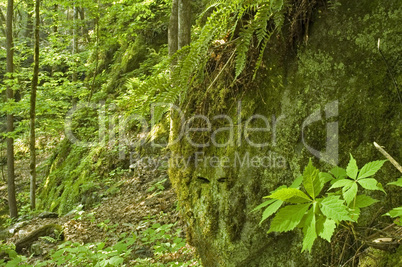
x=339, y=63
x=377, y=258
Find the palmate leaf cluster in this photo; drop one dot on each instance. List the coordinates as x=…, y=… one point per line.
x=318, y=212
x=235, y=22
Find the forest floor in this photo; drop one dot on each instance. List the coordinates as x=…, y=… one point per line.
x=139, y=201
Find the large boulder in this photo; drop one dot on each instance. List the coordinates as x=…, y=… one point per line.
x=335, y=97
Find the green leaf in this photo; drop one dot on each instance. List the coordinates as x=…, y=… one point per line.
x=354, y=214
x=350, y=194
x=342, y=183
x=396, y=212
x=288, y=218
x=100, y=246
x=325, y=177
x=262, y=205
x=397, y=183
x=271, y=209
x=277, y=189
x=370, y=184
x=297, y=182
x=363, y=201
x=325, y=228
x=333, y=208
x=116, y=261
x=311, y=181
x=310, y=234
x=352, y=168
x=292, y=195
x=370, y=168
x=338, y=172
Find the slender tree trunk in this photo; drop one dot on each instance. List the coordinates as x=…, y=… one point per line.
x=97, y=22
x=173, y=31
x=56, y=20
x=84, y=26
x=184, y=23
x=12, y=202
x=75, y=50
x=29, y=26
x=32, y=165
x=2, y=21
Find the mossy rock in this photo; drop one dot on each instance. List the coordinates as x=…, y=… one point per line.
x=339, y=81
x=378, y=258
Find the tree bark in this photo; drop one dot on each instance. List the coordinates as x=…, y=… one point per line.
x=173, y=31
x=12, y=202
x=2, y=21
x=184, y=23
x=29, y=26
x=32, y=113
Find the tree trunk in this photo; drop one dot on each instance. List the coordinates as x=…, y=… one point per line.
x=56, y=21
x=29, y=25
x=75, y=51
x=12, y=202
x=84, y=27
x=32, y=165
x=2, y=21
x=173, y=31
x=184, y=23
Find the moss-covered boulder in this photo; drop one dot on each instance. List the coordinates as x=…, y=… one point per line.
x=334, y=97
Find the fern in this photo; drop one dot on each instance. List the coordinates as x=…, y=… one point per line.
x=226, y=17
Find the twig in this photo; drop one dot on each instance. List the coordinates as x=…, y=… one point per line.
x=388, y=156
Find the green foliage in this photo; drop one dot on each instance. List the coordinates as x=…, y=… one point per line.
x=318, y=212
x=75, y=254
x=157, y=187
x=15, y=258
x=160, y=237
x=396, y=212
x=238, y=21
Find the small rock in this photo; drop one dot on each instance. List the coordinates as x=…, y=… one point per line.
x=22, y=233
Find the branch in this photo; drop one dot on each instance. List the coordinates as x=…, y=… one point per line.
x=388, y=156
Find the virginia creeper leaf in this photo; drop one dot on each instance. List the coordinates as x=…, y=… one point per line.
x=325, y=228
x=292, y=195
x=262, y=205
x=297, y=182
x=311, y=181
x=370, y=184
x=338, y=172
x=363, y=201
x=310, y=234
x=325, y=177
x=271, y=209
x=350, y=194
x=287, y=218
x=333, y=208
x=352, y=169
x=342, y=183
x=370, y=168
x=396, y=212
x=397, y=182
